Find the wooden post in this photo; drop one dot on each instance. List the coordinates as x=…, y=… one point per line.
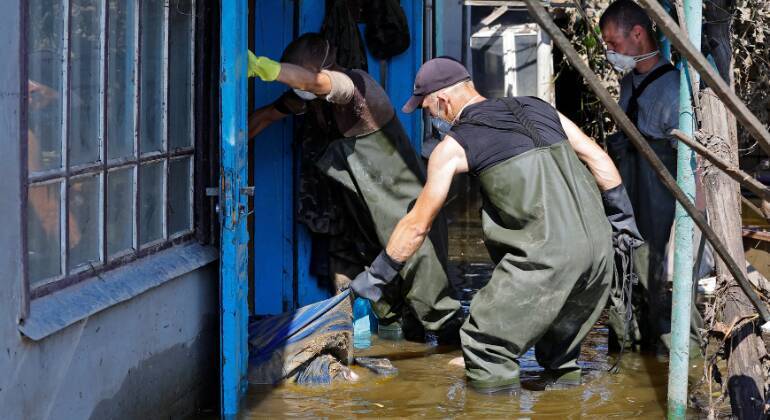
x=744, y=347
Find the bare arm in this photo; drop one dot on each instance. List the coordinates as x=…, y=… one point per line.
x=300, y=78
x=597, y=160
x=262, y=118
x=446, y=160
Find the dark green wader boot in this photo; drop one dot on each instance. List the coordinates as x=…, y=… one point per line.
x=654, y=210
x=384, y=173
x=545, y=228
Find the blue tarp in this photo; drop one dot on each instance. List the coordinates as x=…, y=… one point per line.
x=280, y=345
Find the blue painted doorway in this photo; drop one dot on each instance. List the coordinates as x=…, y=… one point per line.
x=233, y=206
x=282, y=246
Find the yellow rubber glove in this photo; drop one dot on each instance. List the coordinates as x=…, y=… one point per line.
x=263, y=67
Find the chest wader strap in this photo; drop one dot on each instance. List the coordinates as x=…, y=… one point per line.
x=636, y=92
x=518, y=111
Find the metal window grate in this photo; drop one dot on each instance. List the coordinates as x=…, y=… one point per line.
x=95, y=49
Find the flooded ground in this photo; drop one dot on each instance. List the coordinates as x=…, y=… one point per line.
x=427, y=386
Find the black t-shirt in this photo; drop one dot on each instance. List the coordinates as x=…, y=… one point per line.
x=491, y=134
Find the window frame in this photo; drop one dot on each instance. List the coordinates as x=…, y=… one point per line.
x=101, y=169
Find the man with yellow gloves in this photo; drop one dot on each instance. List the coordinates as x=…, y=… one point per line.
x=263, y=67
x=376, y=166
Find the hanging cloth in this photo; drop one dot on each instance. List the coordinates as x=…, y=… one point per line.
x=387, y=30
x=341, y=30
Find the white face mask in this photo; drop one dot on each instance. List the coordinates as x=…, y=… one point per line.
x=308, y=96
x=625, y=63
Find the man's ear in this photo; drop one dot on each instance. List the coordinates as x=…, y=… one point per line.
x=442, y=102
x=443, y=97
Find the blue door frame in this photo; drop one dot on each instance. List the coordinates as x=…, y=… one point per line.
x=233, y=206
x=282, y=246
x=282, y=280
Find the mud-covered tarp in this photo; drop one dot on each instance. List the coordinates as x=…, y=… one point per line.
x=283, y=346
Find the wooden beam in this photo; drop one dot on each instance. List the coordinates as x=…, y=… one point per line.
x=543, y=18
x=758, y=235
x=729, y=169
x=753, y=207
x=516, y=3
x=489, y=19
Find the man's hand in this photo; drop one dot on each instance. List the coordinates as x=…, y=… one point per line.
x=264, y=68
x=370, y=282
x=617, y=207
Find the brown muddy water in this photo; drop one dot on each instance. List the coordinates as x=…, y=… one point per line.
x=427, y=386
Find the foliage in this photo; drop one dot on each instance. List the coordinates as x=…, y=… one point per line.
x=751, y=30
x=593, y=118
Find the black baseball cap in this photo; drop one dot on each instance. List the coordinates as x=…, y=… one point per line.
x=435, y=74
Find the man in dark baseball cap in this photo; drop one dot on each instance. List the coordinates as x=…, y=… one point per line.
x=434, y=75
x=543, y=221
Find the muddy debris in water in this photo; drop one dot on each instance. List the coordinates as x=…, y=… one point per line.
x=378, y=365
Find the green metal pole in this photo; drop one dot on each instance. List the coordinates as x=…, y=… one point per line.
x=683, y=254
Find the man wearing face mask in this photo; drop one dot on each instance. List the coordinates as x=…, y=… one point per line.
x=543, y=221
x=649, y=93
x=377, y=170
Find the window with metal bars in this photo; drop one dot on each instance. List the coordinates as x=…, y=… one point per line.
x=110, y=134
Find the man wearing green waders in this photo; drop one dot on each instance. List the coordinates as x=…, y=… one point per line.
x=543, y=222
x=374, y=165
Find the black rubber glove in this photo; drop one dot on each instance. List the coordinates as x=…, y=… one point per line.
x=370, y=282
x=617, y=207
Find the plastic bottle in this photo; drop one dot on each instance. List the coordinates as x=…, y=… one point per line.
x=362, y=330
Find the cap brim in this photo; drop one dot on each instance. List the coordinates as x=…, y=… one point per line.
x=413, y=103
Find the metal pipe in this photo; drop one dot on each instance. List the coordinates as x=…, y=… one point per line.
x=545, y=89
x=465, y=56
x=427, y=54
x=438, y=26
x=541, y=16
x=681, y=299
x=427, y=30
x=729, y=169
x=712, y=78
